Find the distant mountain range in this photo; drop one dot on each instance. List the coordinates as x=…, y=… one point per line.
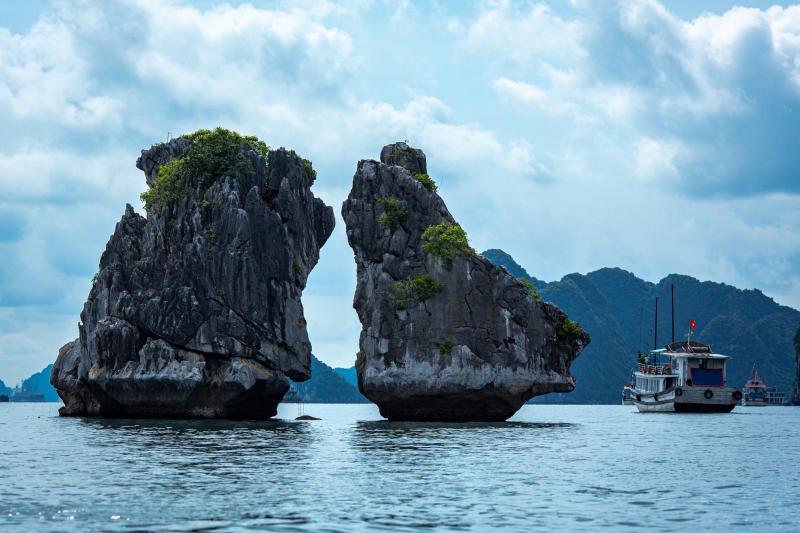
x=617, y=308
x=349, y=375
x=328, y=386
x=5, y=390
x=40, y=382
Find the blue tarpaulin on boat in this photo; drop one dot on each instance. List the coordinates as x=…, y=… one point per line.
x=711, y=377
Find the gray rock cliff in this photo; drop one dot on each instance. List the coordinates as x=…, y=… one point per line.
x=447, y=337
x=196, y=310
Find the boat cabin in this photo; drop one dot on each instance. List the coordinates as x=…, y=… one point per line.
x=654, y=377
x=696, y=365
x=691, y=364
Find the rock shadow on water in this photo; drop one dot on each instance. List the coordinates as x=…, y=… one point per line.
x=275, y=441
x=195, y=425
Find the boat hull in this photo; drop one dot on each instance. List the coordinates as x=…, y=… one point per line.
x=687, y=400
x=754, y=403
x=703, y=408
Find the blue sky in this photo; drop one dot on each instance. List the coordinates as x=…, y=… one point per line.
x=657, y=137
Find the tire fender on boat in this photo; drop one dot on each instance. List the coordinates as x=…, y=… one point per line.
x=679, y=392
x=638, y=397
x=708, y=394
x=737, y=395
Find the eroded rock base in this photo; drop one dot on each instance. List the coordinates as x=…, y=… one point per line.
x=171, y=383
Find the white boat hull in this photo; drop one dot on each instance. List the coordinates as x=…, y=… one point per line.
x=687, y=400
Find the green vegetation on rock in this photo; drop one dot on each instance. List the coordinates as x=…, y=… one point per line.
x=531, y=289
x=310, y=172
x=446, y=241
x=445, y=347
x=395, y=215
x=212, y=154
x=568, y=329
x=399, y=157
x=417, y=289
x=426, y=181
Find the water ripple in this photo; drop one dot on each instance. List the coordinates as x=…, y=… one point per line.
x=550, y=467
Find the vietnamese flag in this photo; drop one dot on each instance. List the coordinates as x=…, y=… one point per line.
x=692, y=323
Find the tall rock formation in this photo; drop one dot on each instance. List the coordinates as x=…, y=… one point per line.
x=196, y=311
x=446, y=334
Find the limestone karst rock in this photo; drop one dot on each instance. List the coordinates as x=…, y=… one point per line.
x=196, y=311
x=446, y=334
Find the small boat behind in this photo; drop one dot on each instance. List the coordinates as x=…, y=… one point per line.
x=755, y=391
x=627, y=399
x=23, y=395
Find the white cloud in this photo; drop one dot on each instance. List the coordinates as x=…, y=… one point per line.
x=716, y=94
x=655, y=160
x=525, y=36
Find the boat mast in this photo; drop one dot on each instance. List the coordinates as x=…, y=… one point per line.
x=641, y=318
x=655, y=335
x=672, y=287
x=655, y=329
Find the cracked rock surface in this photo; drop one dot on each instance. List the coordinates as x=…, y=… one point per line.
x=478, y=348
x=195, y=310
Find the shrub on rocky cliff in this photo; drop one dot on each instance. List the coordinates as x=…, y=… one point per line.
x=416, y=289
x=395, y=215
x=310, y=172
x=213, y=154
x=531, y=289
x=400, y=157
x=446, y=241
x=568, y=329
x=426, y=182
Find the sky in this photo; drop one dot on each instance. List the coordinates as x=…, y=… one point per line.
x=656, y=137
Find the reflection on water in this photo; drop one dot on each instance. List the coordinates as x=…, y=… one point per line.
x=184, y=425
x=550, y=467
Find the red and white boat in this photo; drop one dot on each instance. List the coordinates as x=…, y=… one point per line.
x=755, y=391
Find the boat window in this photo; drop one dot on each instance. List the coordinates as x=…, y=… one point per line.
x=707, y=377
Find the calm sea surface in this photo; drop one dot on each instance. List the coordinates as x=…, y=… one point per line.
x=549, y=467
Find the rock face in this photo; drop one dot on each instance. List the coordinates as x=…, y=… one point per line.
x=196, y=311
x=475, y=349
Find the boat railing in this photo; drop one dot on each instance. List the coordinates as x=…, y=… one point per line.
x=655, y=369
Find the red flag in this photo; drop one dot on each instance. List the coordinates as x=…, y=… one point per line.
x=692, y=323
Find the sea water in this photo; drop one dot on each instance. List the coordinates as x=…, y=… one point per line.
x=548, y=468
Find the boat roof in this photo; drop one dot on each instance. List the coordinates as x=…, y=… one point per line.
x=684, y=355
x=688, y=346
x=693, y=349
